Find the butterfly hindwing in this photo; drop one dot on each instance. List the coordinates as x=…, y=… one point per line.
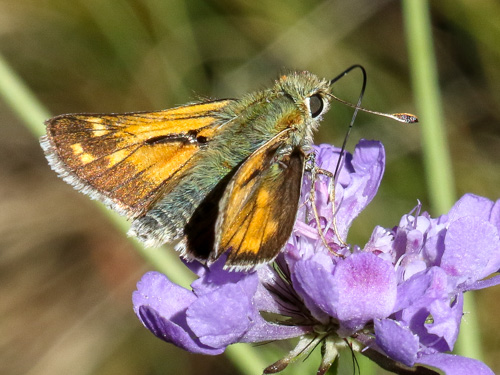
x=129, y=161
x=258, y=209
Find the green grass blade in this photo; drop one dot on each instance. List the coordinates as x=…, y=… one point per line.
x=22, y=101
x=437, y=159
x=428, y=98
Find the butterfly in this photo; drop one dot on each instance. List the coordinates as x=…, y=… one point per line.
x=218, y=176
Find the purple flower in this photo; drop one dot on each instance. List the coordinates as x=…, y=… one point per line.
x=209, y=317
x=397, y=300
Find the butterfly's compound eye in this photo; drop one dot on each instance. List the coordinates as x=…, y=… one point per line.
x=316, y=105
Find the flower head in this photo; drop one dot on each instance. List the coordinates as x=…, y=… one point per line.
x=398, y=300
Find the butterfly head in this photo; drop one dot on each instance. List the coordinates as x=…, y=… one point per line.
x=310, y=95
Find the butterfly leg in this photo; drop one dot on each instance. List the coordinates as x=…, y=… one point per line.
x=314, y=170
x=331, y=191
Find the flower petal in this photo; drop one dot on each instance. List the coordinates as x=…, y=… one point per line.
x=364, y=288
x=155, y=290
x=433, y=317
x=495, y=215
x=368, y=164
x=397, y=341
x=454, y=364
x=313, y=280
x=472, y=249
x=222, y=316
x=213, y=276
x=229, y=314
x=411, y=290
x=481, y=284
x=446, y=320
x=358, y=289
x=171, y=332
x=161, y=306
x=471, y=205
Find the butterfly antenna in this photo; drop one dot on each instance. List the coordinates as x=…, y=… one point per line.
x=407, y=118
x=356, y=109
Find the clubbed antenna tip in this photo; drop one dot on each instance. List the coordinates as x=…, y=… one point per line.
x=405, y=117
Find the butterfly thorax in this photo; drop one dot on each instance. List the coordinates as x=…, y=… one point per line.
x=266, y=113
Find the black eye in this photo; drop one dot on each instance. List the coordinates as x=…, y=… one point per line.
x=315, y=105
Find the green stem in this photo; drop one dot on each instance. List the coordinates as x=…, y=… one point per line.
x=22, y=101
x=437, y=159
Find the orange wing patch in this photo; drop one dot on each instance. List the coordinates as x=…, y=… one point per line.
x=129, y=160
x=258, y=209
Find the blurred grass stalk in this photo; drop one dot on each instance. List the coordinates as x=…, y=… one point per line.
x=437, y=161
x=21, y=100
x=32, y=113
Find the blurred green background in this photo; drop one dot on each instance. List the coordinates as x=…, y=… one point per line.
x=67, y=274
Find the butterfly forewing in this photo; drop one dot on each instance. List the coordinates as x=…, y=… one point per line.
x=258, y=209
x=129, y=160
